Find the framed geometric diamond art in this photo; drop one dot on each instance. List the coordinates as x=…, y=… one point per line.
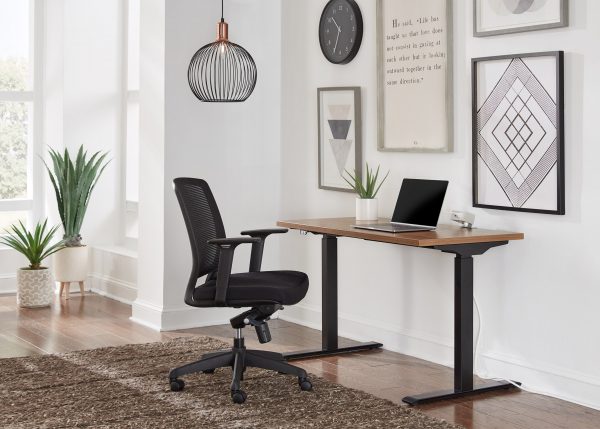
x=518, y=133
x=340, y=148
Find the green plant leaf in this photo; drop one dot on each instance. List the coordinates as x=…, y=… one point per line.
x=381, y=183
x=34, y=246
x=73, y=182
x=371, y=186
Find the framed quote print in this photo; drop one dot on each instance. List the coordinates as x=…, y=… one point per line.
x=492, y=17
x=518, y=132
x=340, y=148
x=414, y=64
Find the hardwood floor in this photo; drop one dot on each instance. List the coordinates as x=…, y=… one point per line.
x=94, y=321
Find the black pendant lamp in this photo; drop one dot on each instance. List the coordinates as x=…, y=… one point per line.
x=222, y=71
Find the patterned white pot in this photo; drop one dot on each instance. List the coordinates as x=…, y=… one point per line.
x=71, y=264
x=34, y=287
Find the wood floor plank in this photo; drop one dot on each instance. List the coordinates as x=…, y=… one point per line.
x=91, y=321
x=12, y=346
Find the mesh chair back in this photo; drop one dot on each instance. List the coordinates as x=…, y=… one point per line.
x=203, y=222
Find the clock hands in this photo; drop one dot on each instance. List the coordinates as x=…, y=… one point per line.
x=336, y=24
x=338, y=35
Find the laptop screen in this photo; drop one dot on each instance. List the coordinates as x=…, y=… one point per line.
x=420, y=202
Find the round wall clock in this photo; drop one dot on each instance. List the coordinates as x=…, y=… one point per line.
x=340, y=31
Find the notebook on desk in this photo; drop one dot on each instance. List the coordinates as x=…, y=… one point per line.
x=418, y=207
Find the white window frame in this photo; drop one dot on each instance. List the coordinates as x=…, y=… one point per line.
x=130, y=208
x=35, y=170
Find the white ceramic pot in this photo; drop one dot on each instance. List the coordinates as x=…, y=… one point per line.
x=34, y=287
x=366, y=209
x=71, y=264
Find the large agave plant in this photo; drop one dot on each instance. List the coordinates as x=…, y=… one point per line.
x=73, y=183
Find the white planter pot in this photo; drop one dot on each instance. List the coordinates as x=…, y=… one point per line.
x=34, y=287
x=71, y=264
x=366, y=209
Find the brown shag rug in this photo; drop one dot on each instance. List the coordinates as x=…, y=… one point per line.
x=126, y=387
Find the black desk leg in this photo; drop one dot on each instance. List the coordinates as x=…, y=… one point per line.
x=329, y=344
x=463, y=332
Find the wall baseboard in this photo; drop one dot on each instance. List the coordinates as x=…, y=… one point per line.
x=161, y=319
x=146, y=314
x=542, y=378
x=537, y=377
x=103, y=285
x=113, y=288
x=8, y=284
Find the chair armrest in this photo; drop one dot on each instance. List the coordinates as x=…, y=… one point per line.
x=226, y=249
x=233, y=241
x=263, y=233
x=257, y=248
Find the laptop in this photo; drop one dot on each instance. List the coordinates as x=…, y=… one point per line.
x=417, y=209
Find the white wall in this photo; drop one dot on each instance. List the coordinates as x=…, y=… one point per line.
x=538, y=298
x=149, y=302
x=9, y=262
x=85, y=71
x=84, y=93
x=235, y=147
x=114, y=273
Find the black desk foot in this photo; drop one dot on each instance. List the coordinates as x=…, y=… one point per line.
x=307, y=354
x=441, y=395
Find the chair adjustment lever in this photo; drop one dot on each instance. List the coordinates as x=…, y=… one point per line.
x=260, y=325
x=257, y=317
x=263, y=332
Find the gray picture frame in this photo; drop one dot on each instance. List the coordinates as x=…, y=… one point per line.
x=357, y=134
x=563, y=22
x=449, y=94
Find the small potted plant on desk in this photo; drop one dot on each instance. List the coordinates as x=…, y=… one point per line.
x=73, y=182
x=34, y=283
x=366, y=203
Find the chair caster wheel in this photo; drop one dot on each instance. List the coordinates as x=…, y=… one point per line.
x=238, y=396
x=305, y=384
x=208, y=371
x=177, y=385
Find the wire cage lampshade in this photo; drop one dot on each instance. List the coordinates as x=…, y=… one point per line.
x=222, y=71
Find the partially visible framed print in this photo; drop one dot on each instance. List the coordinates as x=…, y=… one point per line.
x=518, y=133
x=414, y=67
x=492, y=17
x=340, y=147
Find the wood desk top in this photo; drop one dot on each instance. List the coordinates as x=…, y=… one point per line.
x=442, y=236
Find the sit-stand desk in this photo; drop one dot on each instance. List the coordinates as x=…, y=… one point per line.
x=461, y=242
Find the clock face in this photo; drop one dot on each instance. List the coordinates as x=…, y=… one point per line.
x=340, y=31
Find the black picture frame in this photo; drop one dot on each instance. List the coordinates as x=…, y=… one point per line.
x=559, y=120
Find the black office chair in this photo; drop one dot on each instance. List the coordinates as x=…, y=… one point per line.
x=264, y=291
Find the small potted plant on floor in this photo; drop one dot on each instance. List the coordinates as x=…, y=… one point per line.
x=34, y=283
x=73, y=182
x=366, y=203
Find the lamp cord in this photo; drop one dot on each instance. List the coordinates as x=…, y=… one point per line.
x=222, y=15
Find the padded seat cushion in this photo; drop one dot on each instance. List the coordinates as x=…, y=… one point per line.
x=283, y=287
